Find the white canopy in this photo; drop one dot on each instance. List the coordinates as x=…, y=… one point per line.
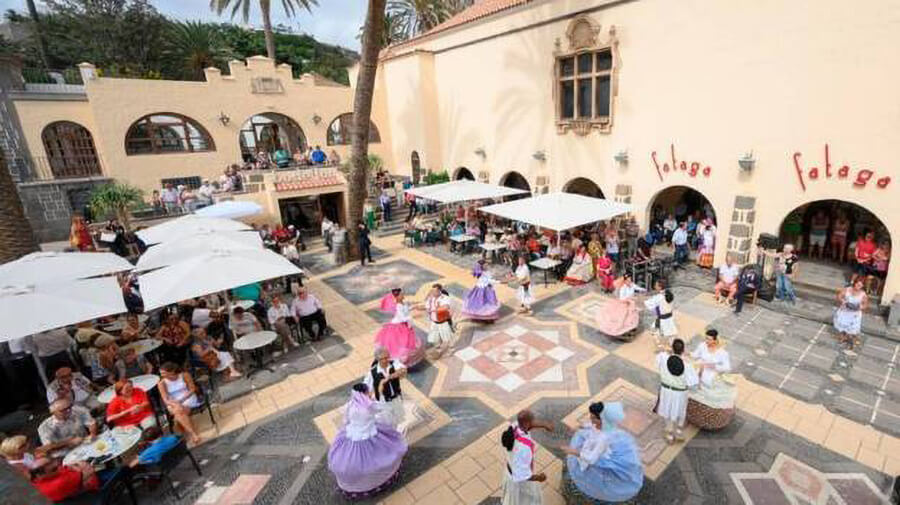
x=211, y=272
x=230, y=209
x=187, y=225
x=44, y=267
x=463, y=191
x=558, y=211
x=25, y=310
x=196, y=244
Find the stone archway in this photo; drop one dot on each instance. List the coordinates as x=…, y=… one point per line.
x=271, y=132
x=463, y=173
x=583, y=186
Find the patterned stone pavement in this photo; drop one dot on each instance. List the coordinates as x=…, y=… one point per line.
x=814, y=424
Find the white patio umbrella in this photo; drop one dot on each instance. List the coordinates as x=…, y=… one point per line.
x=187, y=225
x=196, y=244
x=44, y=267
x=463, y=191
x=211, y=272
x=230, y=209
x=29, y=309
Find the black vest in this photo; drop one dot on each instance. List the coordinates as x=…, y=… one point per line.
x=392, y=390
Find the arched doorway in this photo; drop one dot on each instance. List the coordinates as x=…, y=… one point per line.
x=416, y=167
x=463, y=173
x=826, y=233
x=70, y=150
x=684, y=204
x=583, y=186
x=271, y=132
x=517, y=181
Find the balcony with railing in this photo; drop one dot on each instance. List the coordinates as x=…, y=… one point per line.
x=42, y=168
x=64, y=81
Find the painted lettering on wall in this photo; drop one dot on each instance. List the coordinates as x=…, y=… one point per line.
x=673, y=164
x=860, y=177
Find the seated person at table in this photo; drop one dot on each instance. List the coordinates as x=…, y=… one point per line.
x=179, y=393
x=67, y=427
x=206, y=349
x=134, y=363
x=176, y=337
x=200, y=316
x=456, y=229
x=534, y=247
x=130, y=407
x=108, y=366
x=279, y=314
x=73, y=386
x=307, y=309
x=582, y=269
x=133, y=329
x=52, y=480
x=727, y=280
x=243, y=323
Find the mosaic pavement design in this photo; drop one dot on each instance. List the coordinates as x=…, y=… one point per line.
x=366, y=284
x=646, y=427
x=790, y=482
x=512, y=363
x=584, y=309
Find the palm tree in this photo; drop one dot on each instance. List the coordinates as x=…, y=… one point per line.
x=362, y=113
x=265, y=9
x=116, y=199
x=16, y=237
x=392, y=31
x=419, y=16
x=193, y=46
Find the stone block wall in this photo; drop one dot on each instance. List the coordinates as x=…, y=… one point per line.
x=49, y=205
x=740, y=235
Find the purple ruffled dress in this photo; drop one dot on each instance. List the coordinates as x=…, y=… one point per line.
x=365, y=456
x=481, y=302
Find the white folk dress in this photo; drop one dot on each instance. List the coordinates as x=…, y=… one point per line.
x=439, y=333
x=523, y=294
x=713, y=391
x=673, y=391
x=517, y=488
x=848, y=317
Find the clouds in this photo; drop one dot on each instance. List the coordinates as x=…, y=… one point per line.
x=332, y=21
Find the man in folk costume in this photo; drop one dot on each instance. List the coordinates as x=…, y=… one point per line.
x=522, y=486
x=675, y=378
x=660, y=304
x=523, y=278
x=437, y=305
x=383, y=380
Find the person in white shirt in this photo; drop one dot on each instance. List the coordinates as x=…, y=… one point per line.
x=242, y=322
x=727, y=280
x=383, y=380
x=278, y=316
x=200, y=316
x=307, y=309
x=437, y=305
x=205, y=193
x=170, y=199
x=712, y=361
x=676, y=376
x=327, y=228
x=680, y=243
x=669, y=226
x=522, y=486
x=661, y=306
x=523, y=293
x=74, y=387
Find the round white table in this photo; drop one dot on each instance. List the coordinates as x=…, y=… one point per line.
x=108, y=445
x=244, y=304
x=119, y=324
x=255, y=343
x=143, y=346
x=143, y=382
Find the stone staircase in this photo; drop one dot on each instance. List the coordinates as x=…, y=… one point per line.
x=399, y=211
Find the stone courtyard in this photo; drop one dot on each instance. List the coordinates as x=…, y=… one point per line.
x=815, y=424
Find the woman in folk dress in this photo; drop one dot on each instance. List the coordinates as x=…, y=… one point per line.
x=582, y=269
x=620, y=315
x=398, y=335
x=707, y=250
x=481, y=303
x=852, y=301
x=605, y=273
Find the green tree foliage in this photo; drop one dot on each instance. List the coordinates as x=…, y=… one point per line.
x=116, y=199
x=414, y=17
x=191, y=47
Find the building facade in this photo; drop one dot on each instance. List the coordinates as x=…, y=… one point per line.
x=764, y=108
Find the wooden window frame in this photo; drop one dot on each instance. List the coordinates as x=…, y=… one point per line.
x=155, y=140
x=346, y=132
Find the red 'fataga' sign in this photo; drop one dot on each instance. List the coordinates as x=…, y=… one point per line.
x=860, y=177
x=691, y=168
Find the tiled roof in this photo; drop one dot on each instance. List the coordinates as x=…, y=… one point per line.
x=310, y=182
x=481, y=9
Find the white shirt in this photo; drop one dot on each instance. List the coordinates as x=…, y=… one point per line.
x=729, y=274
x=719, y=358
x=520, y=459
x=327, y=225
x=205, y=192
x=368, y=381
x=688, y=379
x=359, y=423
x=51, y=342
x=169, y=195
x=670, y=224
x=680, y=237
x=200, y=318
x=627, y=291
x=523, y=274
x=305, y=307
x=277, y=312
x=433, y=303
x=401, y=314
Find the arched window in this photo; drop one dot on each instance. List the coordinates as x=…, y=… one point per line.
x=167, y=133
x=70, y=150
x=340, y=130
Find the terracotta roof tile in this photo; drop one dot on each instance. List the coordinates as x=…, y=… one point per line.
x=481, y=9
x=309, y=182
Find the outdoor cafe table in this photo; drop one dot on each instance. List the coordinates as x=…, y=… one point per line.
x=119, y=324
x=244, y=304
x=145, y=383
x=108, y=445
x=462, y=240
x=545, y=264
x=143, y=346
x=493, y=248
x=255, y=343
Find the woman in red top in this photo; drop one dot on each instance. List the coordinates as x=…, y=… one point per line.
x=130, y=407
x=865, y=248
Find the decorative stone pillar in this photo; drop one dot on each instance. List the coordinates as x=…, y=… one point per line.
x=484, y=176
x=623, y=193
x=541, y=185
x=740, y=235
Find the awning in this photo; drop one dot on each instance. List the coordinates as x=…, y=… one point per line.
x=558, y=211
x=185, y=225
x=196, y=244
x=55, y=267
x=26, y=310
x=230, y=209
x=463, y=191
x=211, y=272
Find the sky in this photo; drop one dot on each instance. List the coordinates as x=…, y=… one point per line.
x=332, y=21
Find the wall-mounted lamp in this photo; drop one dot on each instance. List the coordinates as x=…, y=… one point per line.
x=747, y=162
x=540, y=156
x=224, y=119
x=316, y=119
x=621, y=157
x=480, y=152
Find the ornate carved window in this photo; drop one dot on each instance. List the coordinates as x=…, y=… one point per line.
x=340, y=129
x=585, y=78
x=167, y=133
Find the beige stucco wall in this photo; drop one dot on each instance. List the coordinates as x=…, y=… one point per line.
x=114, y=104
x=716, y=79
